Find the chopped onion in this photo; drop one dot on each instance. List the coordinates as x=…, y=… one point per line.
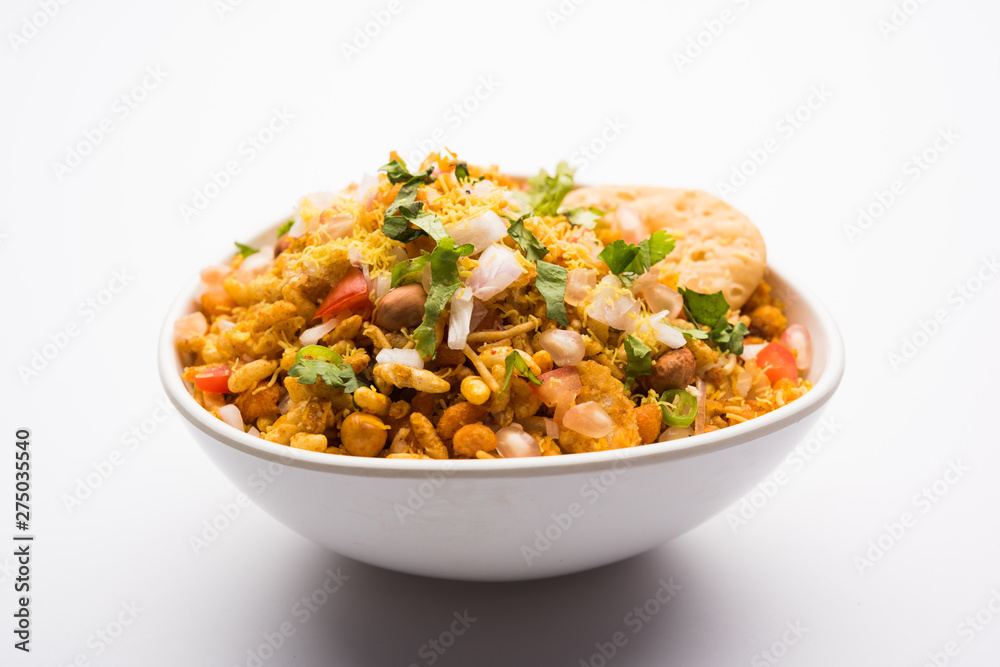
x=224, y=325
x=318, y=202
x=630, y=224
x=231, y=415
x=665, y=333
x=590, y=419
x=614, y=307
x=311, y=336
x=381, y=285
x=750, y=351
x=660, y=297
x=579, y=284
x=676, y=433
x=253, y=431
x=255, y=265
x=409, y=358
x=460, y=320
x=478, y=314
x=355, y=256
x=212, y=277
x=337, y=226
x=565, y=347
x=190, y=326
x=498, y=268
x=798, y=341
x=551, y=428
x=285, y=404
x=513, y=442
x=366, y=183
x=481, y=231
x=744, y=381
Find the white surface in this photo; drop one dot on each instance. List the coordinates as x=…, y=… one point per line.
x=896, y=429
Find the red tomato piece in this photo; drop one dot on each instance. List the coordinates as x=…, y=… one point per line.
x=777, y=363
x=351, y=293
x=214, y=380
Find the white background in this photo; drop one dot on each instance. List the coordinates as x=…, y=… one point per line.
x=898, y=426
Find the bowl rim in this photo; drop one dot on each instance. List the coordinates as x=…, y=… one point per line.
x=705, y=443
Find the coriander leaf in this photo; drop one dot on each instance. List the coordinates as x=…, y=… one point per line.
x=545, y=192
x=396, y=171
x=444, y=282
x=551, y=284
x=532, y=248
x=654, y=249
x=410, y=271
x=315, y=362
x=406, y=209
x=431, y=224
x=640, y=360
x=285, y=227
x=696, y=334
x=398, y=228
x=704, y=308
x=583, y=217
x=462, y=172
x=245, y=250
x=619, y=256
x=515, y=360
x=729, y=336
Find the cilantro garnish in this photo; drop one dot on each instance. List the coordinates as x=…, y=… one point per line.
x=315, y=362
x=545, y=192
x=406, y=209
x=551, y=284
x=532, y=248
x=410, y=271
x=640, y=360
x=285, y=227
x=629, y=261
x=245, y=250
x=515, y=360
x=583, y=217
x=444, y=282
x=710, y=310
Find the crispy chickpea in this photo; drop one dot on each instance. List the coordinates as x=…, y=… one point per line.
x=543, y=359
x=473, y=438
x=313, y=442
x=474, y=390
x=363, y=434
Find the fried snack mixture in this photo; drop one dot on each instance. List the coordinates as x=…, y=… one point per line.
x=457, y=312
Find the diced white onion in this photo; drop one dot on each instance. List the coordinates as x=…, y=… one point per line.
x=551, y=428
x=629, y=223
x=381, y=285
x=409, y=358
x=660, y=297
x=312, y=335
x=231, y=415
x=478, y=314
x=566, y=347
x=460, y=319
x=253, y=431
x=212, y=277
x=285, y=404
x=513, y=442
x=224, y=325
x=481, y=231
x=318, y=201
x=798, y=341
x=190, y=326
x=579, y=284
x=590, y=419
x=665, y=333
x=255, y=265
x=750, y=351
x=498, y=268
x=337, y=227
x=675, y=433
x=366, y=183
x=614, y=307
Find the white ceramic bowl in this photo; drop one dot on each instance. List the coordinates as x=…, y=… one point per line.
x=511, y=519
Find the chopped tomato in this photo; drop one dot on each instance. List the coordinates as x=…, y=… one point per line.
x=214, y=380
x=777, y=362
x=350, y=293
